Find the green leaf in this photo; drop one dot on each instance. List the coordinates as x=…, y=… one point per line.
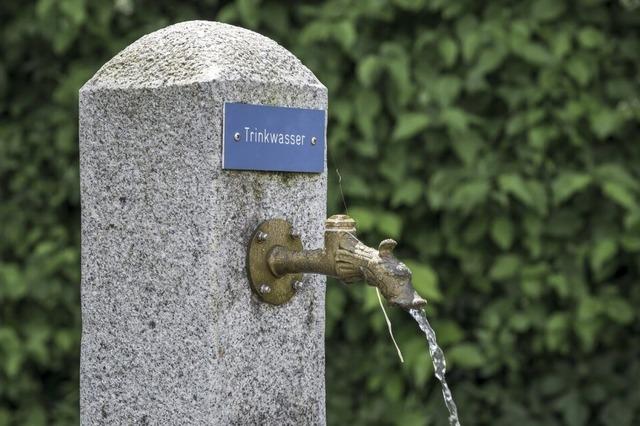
x=605, y=122
x=449, y=332
x=315, y=31
x=531, y=288
x=617, y=412
x=489, y=60
x=538, y=195
x=579, y=69
x=36, y=416
x=447, y=89
x=74, y=10
x=502, y=232
x=448, y=50
x=561, y=43
x=249, y=12
x=590, y=37
x=369, y=69
x=520, y=322
x=574, y=411
x=371, y=302
x=5, y=416
x=601, y=253
x=466, y=145
x=619, y=310
x=456, y=119
x=567, y=184
x=14, y=285
x=413, y=5
x=466, y=356
x=560, y=284
x=364, y=217
x=367, y=105
x=407, y=194
x=13, y=357
x=506, y=266
x=620, y=195
x=389, y=224
x=547, y=10
x=345, y=33
x=393, y=388
x=468, y=195
x=410, y=124
x=514, y=184
x=467, y=30
x=398, y=67
x=630, y=243
x=616, y=173
x=533, y=52
x=424, y=280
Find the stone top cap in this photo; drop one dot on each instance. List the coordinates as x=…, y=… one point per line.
x=201, y=51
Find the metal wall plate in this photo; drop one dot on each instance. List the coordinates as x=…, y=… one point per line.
x=268, y=287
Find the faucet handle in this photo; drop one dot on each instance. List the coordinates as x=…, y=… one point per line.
x=386, y=247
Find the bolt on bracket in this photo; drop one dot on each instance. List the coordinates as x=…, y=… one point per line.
x=270, y=288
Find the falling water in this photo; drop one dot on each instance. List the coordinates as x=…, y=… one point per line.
x=439, y=363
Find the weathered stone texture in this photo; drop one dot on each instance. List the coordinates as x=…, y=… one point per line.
x=171, y=331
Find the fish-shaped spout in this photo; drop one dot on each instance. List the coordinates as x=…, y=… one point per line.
x=343, y=257
x=379, y=268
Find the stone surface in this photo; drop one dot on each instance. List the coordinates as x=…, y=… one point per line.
x=171, y=331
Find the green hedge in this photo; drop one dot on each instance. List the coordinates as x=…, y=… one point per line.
x=497, y=141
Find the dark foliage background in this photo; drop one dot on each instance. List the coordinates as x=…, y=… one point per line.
x=497, y=141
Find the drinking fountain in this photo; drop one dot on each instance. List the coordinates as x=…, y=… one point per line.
x=276, y=261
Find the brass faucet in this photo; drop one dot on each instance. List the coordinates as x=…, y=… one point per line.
x=276, y=262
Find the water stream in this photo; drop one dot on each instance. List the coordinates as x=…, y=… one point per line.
x=439, y=363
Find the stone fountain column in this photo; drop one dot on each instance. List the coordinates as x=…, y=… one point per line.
x=172, y=333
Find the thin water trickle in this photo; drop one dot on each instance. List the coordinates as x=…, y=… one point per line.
x=439, y=363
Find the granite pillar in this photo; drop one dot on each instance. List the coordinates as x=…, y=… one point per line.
x=172, y=333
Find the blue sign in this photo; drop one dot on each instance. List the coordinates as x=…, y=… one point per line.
x=261, y=137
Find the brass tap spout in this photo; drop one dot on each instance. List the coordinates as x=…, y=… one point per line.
x=343, y=257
